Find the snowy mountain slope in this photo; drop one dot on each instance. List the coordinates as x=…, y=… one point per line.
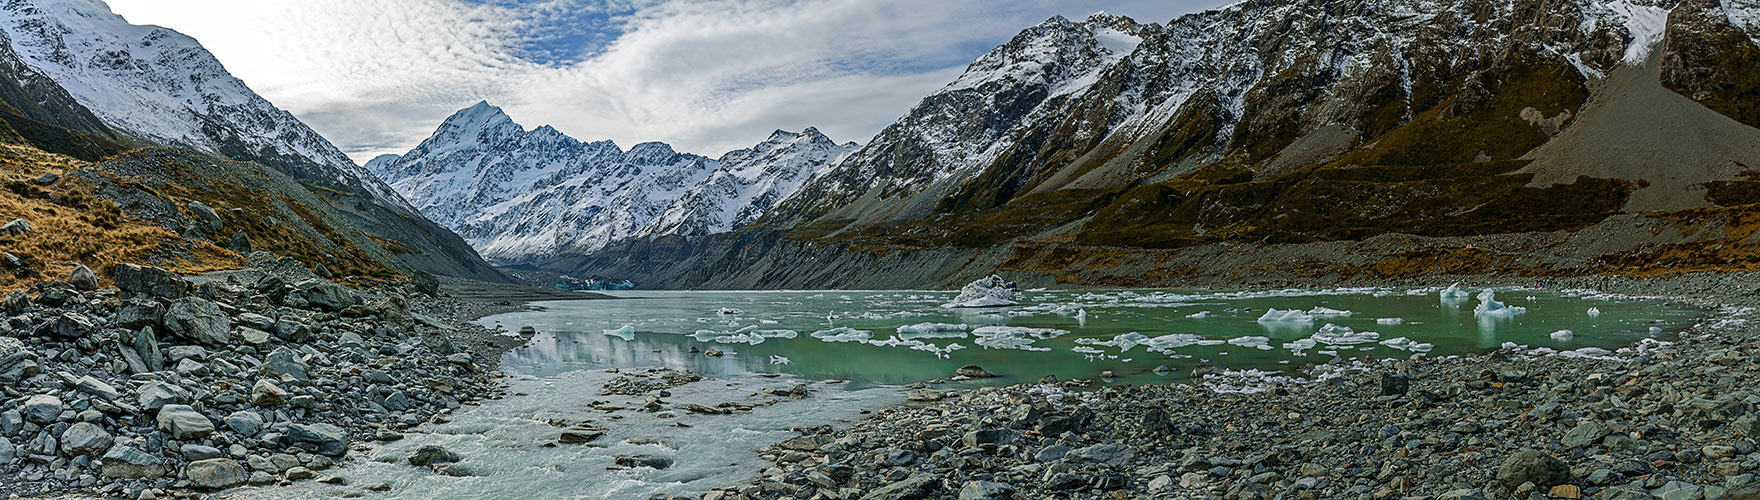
x=518, y=195
x=162, y=87
x=1278, y=85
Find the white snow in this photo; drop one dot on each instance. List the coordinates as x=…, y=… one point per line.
x=1646, y=26
x=991, y=291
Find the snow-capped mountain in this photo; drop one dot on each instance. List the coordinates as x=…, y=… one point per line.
x=517, y=195
x=161, y=87
x=1272, y=85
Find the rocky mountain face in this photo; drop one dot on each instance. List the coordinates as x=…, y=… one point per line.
x=1297, y=122
x=82, y=82
x=517, y=195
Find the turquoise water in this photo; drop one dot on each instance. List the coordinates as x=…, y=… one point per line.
x=1075, y=337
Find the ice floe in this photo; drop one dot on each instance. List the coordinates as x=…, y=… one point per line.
x=1286, y=316
x=1389, y=321
x=1594, y=312
x=1327, y=312
x=842, y=334
x=1489, y=307
x=1260, y=343
x=626, y=332
x=1454, y=291
x=748, y=335
x=728, y=311
x=1562, y=335
x=780, y=360
x=928, y=330
x=992, y=291
x=1335, y=335
x=1200, y=315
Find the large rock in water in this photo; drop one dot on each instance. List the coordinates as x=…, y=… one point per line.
x=184, y=423
x=149, y=281
x=216, y=473
x=199, y=320
x=324, y=439
x=992, y=291
x=432, y=454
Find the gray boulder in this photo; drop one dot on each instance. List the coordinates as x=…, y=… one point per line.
x=84, y=438
x=1529, y=466
x=207, y=220
x=216, y=473
x=284, y=361
x=123, y=462
x=985, y=490
x=326, y=295
x=82, y=278
x=8, y=452
x=245, y=423
x=184, y=422
x=1110, y=454
x=156, y=394
x=432, y=454
x=149, y=282
x=17, y=227
x=918, y=486
x=138, y=313
x=199, y=320
x=91, y=385
x=324, y=439
x=42, y=409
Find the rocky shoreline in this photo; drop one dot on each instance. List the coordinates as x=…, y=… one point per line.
x=1672, y=420
x=166, y=386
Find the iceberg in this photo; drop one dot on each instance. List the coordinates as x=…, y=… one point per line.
x=1200, y=315
x=1594, y=312
x=992, y=291
x=842, y=334
x=1124, y=342
x=626, y=332
x=780, y=360
x=1389, y=321
x=1563, y=335
x=1454, y=291
x=1334, y=335
x=1286, y=316
x=927, y=330
x=1300, y=346
x=1327, y=312
x=748, y=335
x=1491, y=308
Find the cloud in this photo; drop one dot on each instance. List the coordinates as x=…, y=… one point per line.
x=705, y=76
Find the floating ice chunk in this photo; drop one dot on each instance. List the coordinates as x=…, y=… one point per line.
x=1420, y=347
x=1400, y=343
x=1454, y=291
x=1260, y=343
x=767, y=321
x=1299, y=346
x=992, y=291
x=842, y=334
x=728, y=311
x=1200, y=315
x=927, y=330
x=1563, y=335
x=1286, y=316
x=1039, y=333
x=780, y=360
x=1489, y=307
x=1389, y=321
x=748, y=335
x=1327, y=312
x=1088, y=351
x=626, y=332
x=1335, y=335
x=1165, y=344
x=1123, y=342
x=1594, y=313
x=1082, y=317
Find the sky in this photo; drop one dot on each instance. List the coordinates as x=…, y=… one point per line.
x=705, y=76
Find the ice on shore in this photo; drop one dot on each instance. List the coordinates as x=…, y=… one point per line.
x=1489, y=307
x=992, y=291
x=1327, y=312
x=1335, y=335
x=626, y=332
x=1454, y=291
x=928, y=330
x=1389, y=321
x=842, y=334
x=1286, y=316
x=1563, y=335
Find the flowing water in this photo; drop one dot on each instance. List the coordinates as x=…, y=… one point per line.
x=850, y=348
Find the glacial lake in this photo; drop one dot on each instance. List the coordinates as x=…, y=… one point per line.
x=860, y=361
x=898, y=337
